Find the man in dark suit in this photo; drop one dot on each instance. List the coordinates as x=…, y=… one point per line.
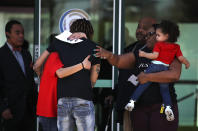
x=17, y=87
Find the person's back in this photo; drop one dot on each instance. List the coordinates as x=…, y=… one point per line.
x=75, y=89
x=77, y=76
x=71, y=54
x=47, y=98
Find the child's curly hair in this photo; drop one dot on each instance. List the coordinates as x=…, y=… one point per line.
x=170, y=28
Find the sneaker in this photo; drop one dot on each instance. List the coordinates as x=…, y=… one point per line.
x=169, y=113
x=130, y=105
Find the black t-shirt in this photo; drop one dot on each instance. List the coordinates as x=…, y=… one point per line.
x=124, y=87
x=77, y=84
x=151, y=95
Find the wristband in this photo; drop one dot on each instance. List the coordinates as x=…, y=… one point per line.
x=83, y=66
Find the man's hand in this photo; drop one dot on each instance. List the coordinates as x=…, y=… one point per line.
x=87, y=63
x=102, y=53
x=76, y=36
x=7, y=114
x=142, y=78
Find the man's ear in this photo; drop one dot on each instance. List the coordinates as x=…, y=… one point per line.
x=7, y=35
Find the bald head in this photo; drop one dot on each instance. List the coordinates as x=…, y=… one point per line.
x=143, y=26
x=148, y=21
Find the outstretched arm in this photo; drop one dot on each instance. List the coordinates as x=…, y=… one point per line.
x=171, y=75
x=38, y=64
x=67, y=71
x=125, y=61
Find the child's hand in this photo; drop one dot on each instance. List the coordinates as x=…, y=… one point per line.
x=187, y=65
x=141, y=53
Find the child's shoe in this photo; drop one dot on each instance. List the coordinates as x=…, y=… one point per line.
x=169, y=113
x=130, y=105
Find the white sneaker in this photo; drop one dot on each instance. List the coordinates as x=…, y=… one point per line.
x=130, y=105
x=169, y=113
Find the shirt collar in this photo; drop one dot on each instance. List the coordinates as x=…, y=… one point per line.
x=63, y=37
x=10, y=46
x=13, y=49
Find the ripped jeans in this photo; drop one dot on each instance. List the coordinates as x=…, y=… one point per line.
x=77, y=112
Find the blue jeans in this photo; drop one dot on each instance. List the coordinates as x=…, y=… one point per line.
x=164, y=87
x=48, y=123
x=77, y=112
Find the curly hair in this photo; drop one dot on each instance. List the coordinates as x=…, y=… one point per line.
x=82, y=25
x=170, y=28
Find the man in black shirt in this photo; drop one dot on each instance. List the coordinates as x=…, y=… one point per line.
x=125, y=85
x=77, y=78
x=146, y=116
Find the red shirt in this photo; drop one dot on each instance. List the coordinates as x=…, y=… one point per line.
x=47, y=97
x=167, y=51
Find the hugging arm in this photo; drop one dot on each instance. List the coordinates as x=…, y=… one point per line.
x=38, y=64
x=77, y=35
x=95, y=70
x=67, y=71
x=171, y=75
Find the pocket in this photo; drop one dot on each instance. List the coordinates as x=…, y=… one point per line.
x=61, y=110
x=84, y=108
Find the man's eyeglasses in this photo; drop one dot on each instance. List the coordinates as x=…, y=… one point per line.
x=149, y=34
